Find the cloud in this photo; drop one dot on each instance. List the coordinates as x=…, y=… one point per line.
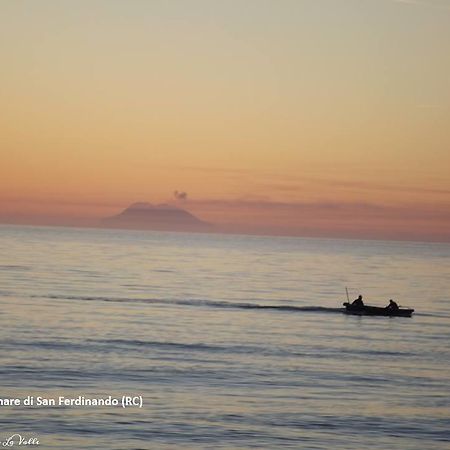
x=215, y=169
x=180, y=195
x=423, y=3
x=331, y=209
x=431, y=106
x=384, y=187
x=418, y=221
x=295, y=187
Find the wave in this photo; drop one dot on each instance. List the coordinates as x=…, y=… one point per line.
x=197, y=303
x=168, y=350
x=13, y=267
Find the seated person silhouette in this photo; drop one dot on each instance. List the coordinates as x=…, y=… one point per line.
x=392, y=306
x=358, y=303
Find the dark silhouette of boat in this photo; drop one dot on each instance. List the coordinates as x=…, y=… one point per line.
x=367, y=310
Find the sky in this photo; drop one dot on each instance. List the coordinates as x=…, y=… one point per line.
x=291, y=117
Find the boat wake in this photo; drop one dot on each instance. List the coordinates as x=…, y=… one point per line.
x=198, y=303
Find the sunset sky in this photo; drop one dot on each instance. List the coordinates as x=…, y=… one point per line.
x=298, y=117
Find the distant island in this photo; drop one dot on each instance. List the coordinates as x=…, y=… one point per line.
x=164, y=217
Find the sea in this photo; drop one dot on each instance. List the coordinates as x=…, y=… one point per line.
x=209, y=341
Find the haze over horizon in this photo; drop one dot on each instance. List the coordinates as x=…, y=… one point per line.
x=314, y=117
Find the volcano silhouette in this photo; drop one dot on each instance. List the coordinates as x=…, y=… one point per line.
x=164, y=217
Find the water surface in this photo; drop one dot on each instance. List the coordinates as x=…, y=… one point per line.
x=234, y=342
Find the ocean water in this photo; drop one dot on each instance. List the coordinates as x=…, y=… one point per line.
x=232, y=342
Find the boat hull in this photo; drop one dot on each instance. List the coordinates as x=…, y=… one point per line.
x=377, y=311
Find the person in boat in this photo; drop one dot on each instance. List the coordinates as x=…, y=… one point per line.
x=358, y=303
x=392, y=306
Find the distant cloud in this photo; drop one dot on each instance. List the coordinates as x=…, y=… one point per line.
x=333, y=208
x=423, y=3
x=215, y=169
x=430, y=106
x=384, y=187
x=290, y=206
x=354, y=185
x=180, y=195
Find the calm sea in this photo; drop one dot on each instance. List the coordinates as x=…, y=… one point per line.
x=233, y=342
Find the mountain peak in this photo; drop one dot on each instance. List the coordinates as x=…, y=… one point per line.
x=162, y=217
x=146, y=206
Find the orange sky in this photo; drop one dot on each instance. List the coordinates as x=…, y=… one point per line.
x=287, y=117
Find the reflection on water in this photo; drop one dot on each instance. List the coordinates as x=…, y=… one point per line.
x=233, y=341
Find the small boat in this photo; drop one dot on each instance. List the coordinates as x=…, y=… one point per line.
x=367, y=310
